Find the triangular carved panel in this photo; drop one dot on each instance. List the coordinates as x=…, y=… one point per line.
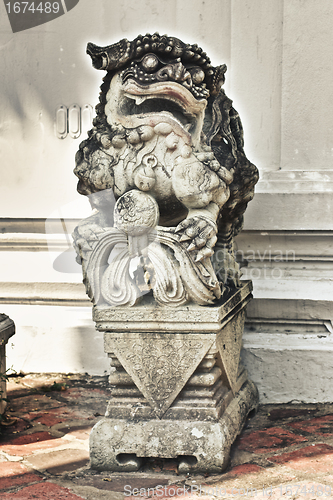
x=229, y=344
x=160, y=365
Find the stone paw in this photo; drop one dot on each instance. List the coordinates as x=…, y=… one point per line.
x=86, y=234
x=201, y=233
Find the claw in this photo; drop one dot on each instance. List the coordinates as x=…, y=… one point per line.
x=179, y=228
x=191, y=247
x=185, y=237
x=199, y=257
x=203, y=254
x=182, y=225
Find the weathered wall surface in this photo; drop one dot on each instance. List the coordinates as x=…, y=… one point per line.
x=279, y=75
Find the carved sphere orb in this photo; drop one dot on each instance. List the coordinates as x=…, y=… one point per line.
x=198, y=75
x=150, y=62
x=136, y=212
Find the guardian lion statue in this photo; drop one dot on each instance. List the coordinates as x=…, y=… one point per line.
x=163, y=165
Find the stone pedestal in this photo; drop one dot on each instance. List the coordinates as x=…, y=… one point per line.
x=178, y=390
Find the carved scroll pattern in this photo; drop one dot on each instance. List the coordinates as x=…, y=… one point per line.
x=176, y=278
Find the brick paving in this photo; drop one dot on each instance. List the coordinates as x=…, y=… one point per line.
x=284, y=451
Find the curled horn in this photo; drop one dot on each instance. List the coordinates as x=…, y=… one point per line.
x=111, y=57
x=98, y=56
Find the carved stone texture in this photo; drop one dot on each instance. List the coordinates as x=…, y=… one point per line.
x=200, y=446
x=159, y=364
x=165, y=169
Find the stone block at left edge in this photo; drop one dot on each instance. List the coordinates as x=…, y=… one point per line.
x=7, y=330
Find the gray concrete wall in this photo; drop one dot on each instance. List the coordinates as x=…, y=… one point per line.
x=279, y=75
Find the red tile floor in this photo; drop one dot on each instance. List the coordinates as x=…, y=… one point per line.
x=284, y=451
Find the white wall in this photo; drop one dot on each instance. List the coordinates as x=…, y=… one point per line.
x=279, y=75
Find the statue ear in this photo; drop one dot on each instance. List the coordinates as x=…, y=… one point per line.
x=236, y=128
x=222, y=119
x=218, y=115
x=218, y=79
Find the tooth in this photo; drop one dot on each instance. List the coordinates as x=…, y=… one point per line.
x=188, y=126
x=139, y=99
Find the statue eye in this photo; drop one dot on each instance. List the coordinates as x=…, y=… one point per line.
x=197, y=74
x=150, y=63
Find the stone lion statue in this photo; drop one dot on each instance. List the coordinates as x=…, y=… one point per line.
x=165, y=133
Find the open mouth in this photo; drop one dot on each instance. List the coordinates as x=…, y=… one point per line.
x=167, y=98
x=143, y=105
x=132, y=105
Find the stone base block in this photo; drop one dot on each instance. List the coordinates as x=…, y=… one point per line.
x=200, y=446
x=7, y=329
